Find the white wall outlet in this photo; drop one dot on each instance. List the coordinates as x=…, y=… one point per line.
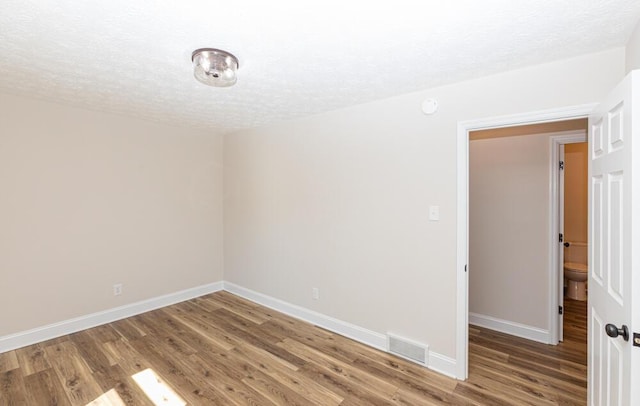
x=117, y=289
x=315, y=293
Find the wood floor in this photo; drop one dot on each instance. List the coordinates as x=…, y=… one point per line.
x=223, y=350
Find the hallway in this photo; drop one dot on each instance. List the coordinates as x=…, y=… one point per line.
x=510, y=370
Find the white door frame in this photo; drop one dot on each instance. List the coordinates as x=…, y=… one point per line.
x=556, y=293
x=462, y=215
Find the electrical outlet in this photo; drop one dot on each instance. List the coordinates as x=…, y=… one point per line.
x=315, y=293
x=117, y=289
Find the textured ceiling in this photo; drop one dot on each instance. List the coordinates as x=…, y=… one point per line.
x=296, y=57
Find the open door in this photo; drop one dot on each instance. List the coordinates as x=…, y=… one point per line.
x=560, y=264
x=614, y=227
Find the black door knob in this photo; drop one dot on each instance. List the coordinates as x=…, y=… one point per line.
x=613, y=331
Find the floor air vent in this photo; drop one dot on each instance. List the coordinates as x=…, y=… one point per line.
x=408, y=349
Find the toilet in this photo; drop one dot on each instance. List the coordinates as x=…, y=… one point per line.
x=576, y=275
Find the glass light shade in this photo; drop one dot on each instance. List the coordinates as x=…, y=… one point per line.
x=214, y=67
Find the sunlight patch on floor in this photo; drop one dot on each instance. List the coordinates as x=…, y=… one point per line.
x=110, y=398
x=156, y=389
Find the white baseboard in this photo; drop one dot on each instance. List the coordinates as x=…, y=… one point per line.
x=36, y=335
x=509, y=327
x=354, y=332
x=436, y=362
x=442, y=364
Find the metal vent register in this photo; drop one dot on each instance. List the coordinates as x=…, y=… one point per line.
x=408, y=349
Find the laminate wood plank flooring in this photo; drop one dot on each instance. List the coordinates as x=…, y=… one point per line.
x=220, y=349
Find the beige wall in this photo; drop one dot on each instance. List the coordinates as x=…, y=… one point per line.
x=91, y=199
x=509, y=229
x=633, y=50
x=340, y=201
x=575, y=192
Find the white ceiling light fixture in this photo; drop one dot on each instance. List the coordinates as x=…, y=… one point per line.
x=214, y=67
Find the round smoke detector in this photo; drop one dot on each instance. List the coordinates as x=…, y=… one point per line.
x=429, y=106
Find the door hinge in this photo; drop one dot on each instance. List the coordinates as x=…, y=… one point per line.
x=560, y=309
x=561, y=237
x=465, y=268
x=561, y=165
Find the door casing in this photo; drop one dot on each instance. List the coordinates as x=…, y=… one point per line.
x=556, y=293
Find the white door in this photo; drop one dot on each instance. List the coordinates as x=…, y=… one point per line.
x=613, y=139
x=560, y=264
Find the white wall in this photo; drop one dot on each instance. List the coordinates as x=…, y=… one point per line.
x=91, y=199
x=340, y=201
x=633, y=50
x=509, y=229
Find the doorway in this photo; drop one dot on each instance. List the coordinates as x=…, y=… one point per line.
x=612, y=233
x=570, y=202
x=512, y=203
x=502, y=124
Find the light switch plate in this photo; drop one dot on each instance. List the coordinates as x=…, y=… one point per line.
x=434, y=213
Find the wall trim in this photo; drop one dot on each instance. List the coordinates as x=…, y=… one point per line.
x=371, y=338
x=39, y=334
x=442, y=364
x=437, y=362
x=510, y=327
